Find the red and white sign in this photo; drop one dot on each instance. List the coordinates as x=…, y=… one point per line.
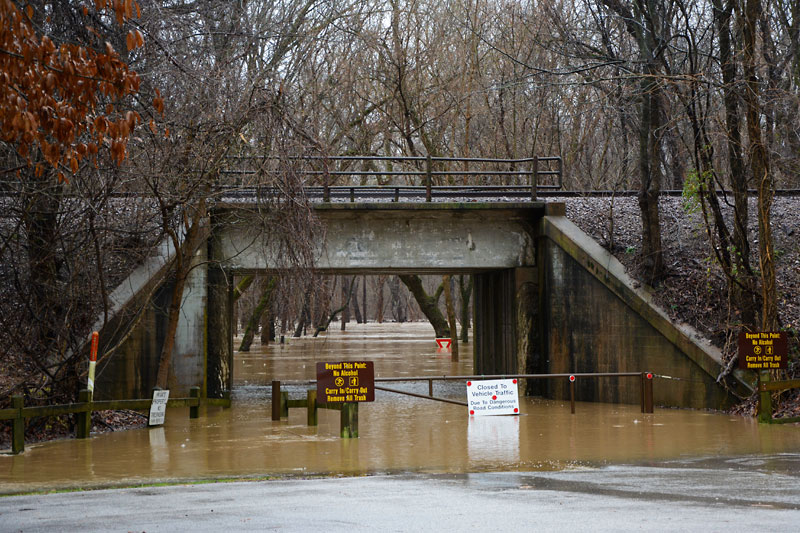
x=444, y=343
x=493, y=397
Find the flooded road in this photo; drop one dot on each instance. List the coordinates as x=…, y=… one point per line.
x=397, y=433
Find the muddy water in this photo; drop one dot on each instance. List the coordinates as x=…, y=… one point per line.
x=397, y=433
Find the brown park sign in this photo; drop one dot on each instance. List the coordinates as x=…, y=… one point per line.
x=765, y=350
x=346, y=381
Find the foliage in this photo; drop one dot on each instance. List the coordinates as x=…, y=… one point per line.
x=50, y=92
x=692, y=188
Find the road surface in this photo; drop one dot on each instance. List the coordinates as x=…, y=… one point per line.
x=754, y=493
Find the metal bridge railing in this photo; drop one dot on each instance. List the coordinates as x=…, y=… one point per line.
x=537, y=173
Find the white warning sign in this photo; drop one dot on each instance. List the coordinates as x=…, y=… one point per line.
x=493, y=397
x=158, y=409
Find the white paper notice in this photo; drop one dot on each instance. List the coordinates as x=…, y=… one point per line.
x=158, y=409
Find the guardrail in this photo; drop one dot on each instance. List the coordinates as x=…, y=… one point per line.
x=349, y=417
x=86, y=405
x=646, y=385
x=327, y=170
x=281, y=404
x=764, y=409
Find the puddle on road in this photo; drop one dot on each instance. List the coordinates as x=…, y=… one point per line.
x=397, y=433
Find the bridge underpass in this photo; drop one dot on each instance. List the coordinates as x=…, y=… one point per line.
x=547, y=299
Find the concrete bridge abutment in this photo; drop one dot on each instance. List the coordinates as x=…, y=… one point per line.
x=547, y=299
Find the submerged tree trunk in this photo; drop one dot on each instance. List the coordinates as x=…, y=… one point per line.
x=429, y=305
x=466, y=294
x=356, y=310
x=451, y=317
x=305, y=318
x=267, y=328
x=398, y=305
x=347, y=287
x=332, y=316
x=379, y=313
x=255, y=318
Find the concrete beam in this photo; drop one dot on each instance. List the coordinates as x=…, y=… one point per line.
x=420, y=238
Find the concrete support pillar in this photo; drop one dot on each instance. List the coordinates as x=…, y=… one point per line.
x=507, y=325
x=219, y=333
x=186, y=367
x=531, y=359
x=495, y=323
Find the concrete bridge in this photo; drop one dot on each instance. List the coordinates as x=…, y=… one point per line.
x=547, y=299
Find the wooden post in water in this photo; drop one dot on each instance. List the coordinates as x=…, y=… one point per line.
x=349, y=420
x=764, y=413
x=276, y=400
x=84, y=417
x=18, y=426
x=284, y=404
x=194, y=410
x=311, y=405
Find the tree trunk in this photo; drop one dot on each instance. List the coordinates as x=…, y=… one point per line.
x=356, y=310
x=335, y=312
x=744, y=292
x=304, y=320
x=183, y=264
x=650, y=186
x=242, y=286
x=255, y=318
x=451, y=317
x=643, y=22
x=381, y=282
x=267, y=328
x=759, y=163
x=346, y=292
x=41, y=225
x=398, y=305
x=427, y=304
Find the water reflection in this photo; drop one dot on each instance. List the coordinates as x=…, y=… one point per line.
x=493, y=438
x=397, y=433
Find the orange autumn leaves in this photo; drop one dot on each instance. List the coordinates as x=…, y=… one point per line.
x=50, y=94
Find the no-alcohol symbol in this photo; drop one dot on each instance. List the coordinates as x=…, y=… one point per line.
x=339, y=382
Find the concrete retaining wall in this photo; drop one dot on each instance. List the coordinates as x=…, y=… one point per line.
x=596, y=319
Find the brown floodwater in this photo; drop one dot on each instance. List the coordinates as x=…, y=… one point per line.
x=397, y=433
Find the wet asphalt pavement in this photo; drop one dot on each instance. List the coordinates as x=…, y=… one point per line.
x=751, y=493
